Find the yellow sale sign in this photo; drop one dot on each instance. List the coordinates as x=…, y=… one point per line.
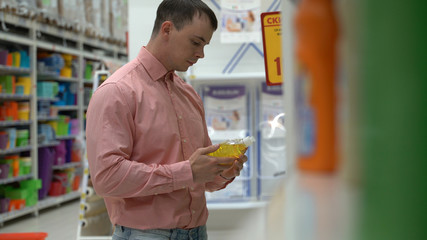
x=272, y=41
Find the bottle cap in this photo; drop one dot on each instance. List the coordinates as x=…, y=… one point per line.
x=248, y=141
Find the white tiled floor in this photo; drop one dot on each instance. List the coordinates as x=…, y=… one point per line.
x=59, y=222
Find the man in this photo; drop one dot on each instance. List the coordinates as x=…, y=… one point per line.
x=147, y=138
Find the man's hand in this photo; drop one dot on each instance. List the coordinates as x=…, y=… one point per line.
x=206, y=168
x=234, y=170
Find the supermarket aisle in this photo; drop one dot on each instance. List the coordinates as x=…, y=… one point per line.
x=59, y=222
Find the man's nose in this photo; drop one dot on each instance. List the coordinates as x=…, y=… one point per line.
x=200, y=53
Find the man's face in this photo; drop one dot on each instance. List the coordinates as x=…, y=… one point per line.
x=187, y=45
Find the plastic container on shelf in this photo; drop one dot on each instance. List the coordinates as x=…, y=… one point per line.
x=63, y=125
x=50, y=62
x=7, y=171
x=3, y=56
x=16, y=59
x=32, y=186
x=88, y=71
x=8, y=84
x=16, y=193
x=76, y=183
x=74, y=126
x=24, y=111
x=4, y=205
x=47, y=132
x=54, y=125
x=25, y=165
x=19, y=89
x=45, y=161
x=69, y=150
x=11, y=132
x=13, y=161
x=60, y=152
x=25, y=59
x=4, y=138
x=77, y=150
x=71, y=173
x=4, y=170
x=11, y=110
x=26, y=191
x=9, y=60
x=66, y=72
x=25, y=82
x=16, y=204
x=59, y=184
x=22, y=137
x=47, y=89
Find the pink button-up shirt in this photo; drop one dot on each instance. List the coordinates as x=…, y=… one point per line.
x=143, y=124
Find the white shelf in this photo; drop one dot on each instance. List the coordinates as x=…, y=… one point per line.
x=15, y=150
x=236, y=205
x=17, y=213
x=14, y=70
x=66, y=107
x=14, y=123
x=66, y=166
x=40, y=119
x=51, y=99
x=15, y=179
x=49, y=144
x=52, y=76
x=66, y=137
x=53, y=201
x=7, y=96
x=24, y=40
x=42, y=204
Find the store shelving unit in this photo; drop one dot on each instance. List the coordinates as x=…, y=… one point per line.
x=233, y=215
x=248, y=178
x=36, y=36
x=93, y=220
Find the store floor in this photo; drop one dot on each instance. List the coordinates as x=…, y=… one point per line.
x=59, y=222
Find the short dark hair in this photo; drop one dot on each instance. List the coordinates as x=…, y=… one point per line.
x=181, y=12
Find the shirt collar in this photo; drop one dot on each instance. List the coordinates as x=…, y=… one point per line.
x=154, y=67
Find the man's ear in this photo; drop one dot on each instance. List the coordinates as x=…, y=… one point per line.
x=166, y=28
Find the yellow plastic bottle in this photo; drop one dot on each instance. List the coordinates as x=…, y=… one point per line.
x=233, y=148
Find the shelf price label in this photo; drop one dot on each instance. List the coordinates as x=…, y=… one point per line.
x=272, y=43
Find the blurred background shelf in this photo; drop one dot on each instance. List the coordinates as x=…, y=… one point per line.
x=38, y=42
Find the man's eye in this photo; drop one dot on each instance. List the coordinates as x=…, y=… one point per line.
x=195, y=43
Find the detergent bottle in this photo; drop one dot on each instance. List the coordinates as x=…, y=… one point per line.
x=316, y=37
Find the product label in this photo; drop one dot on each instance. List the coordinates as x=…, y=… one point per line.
x=306, y=116
x=226, y=108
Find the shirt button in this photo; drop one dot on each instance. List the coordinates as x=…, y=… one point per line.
x=180, y=117
x=183, y=187
x=184, y=140
x=193, y=211
x=192, y=189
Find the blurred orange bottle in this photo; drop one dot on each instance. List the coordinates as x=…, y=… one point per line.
x=316, y=37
